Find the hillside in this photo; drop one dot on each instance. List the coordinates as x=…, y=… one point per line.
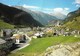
x=72, y=20
x=17, y=17
x=5, y=25
x=41, y=17
x=59, y=15
x=23, y=17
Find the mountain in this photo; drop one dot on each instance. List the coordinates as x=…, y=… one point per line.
x=41, y=17
x=17, y=17
x=72, y=20
x=72, y=15
x=59, y=15
x=22, y=17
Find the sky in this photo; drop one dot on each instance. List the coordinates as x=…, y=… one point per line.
x=47, y=6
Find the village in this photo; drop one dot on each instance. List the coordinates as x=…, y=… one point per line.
x=39, y=28
x=11, y=39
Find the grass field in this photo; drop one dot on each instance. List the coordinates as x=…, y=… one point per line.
x=38, y=46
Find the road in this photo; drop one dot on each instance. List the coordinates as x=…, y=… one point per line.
x=21, y=46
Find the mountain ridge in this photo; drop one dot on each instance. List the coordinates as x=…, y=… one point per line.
x=16, y=16
x=43, y=18
x=72, y=20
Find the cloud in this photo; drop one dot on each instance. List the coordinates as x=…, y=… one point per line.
x=48, y=10
x=30, y=7
x=64, y=11
x=77, y=5
x=66, y=8
x=77, y=1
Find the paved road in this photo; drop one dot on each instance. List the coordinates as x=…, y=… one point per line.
x=21, y=46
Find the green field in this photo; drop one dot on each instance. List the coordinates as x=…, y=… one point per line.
x=38, y=46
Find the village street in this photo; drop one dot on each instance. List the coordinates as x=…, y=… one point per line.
x=20, y=46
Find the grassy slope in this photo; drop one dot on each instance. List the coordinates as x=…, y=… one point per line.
x=5, y=25
x=38, y=46
x=73, y=24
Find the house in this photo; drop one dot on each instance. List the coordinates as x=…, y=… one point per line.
x=20, y=38
x=5, y=46
x=2, y=43
x=2, y=47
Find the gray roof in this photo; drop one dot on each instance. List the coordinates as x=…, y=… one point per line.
x=2, y=41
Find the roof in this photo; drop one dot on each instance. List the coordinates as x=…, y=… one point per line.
x=2, y=41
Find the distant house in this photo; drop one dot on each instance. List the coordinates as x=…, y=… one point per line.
x=7, y=33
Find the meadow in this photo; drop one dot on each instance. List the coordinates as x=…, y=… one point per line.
x=38, y=46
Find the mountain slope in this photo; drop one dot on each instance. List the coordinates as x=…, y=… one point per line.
x=73, y=20
x=5, y=25
x=17, y=17
x=41, y=17
x=59, y=15
x=72, y=15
